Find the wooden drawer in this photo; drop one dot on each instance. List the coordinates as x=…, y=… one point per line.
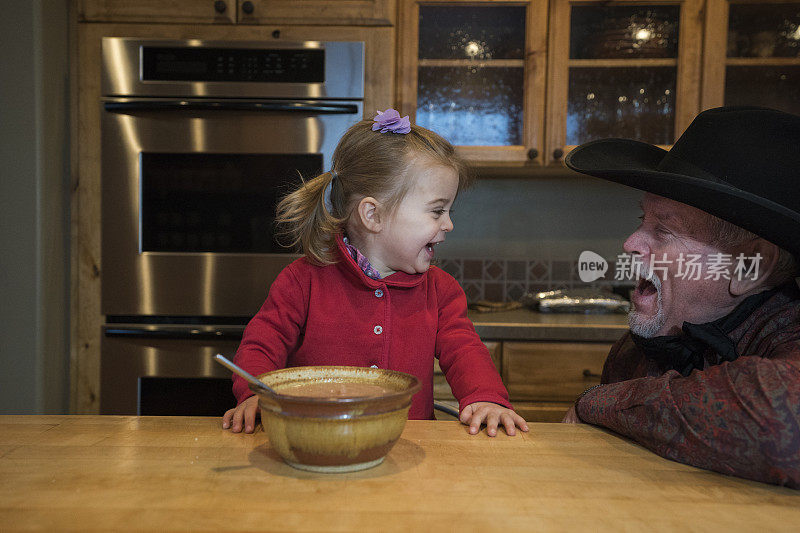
x=305, y=12
x=530, y=411
x=542, y=411
x=325, y=12
x=150, y=11
x=551, y=371
x=441, y=390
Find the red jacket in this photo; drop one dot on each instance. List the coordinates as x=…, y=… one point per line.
x=740, y=417
x=336, y=315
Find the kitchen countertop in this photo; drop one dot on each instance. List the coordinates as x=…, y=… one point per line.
x=112, y=473
x=525, y=325
x=517, y=325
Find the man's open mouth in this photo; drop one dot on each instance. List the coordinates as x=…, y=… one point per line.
x=645, y=287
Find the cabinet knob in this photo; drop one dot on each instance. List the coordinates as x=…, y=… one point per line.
x=248, y=7
x=220, y=6
x=558, y=153
x=276, y=34
x=533, y=153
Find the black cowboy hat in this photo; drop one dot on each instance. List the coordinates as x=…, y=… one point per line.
x=741, y=164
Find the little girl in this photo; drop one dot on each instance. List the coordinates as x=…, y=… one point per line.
x=365, y=293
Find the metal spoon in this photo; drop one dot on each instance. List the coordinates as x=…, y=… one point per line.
x=245, y=374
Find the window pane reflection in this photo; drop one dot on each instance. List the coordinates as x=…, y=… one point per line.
x=776, y=87
x=638, y=103
x=764, y=30
x=485, y=32
x=623, y=32
x=472, y=106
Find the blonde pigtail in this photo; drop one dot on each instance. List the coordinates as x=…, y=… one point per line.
x=306, y=224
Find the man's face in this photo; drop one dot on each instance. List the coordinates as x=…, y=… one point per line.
x=671, y=231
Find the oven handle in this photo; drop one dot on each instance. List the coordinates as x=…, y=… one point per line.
x=189, y=105
x=172, y=332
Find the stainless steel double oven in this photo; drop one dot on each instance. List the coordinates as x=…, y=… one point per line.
x=199, y=141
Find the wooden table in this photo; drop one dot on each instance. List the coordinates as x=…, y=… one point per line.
x=109, y=473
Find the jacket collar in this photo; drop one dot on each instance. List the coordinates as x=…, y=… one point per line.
x=713, y=341
x=351, y=268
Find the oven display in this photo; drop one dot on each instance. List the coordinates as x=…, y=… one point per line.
x=233, y=64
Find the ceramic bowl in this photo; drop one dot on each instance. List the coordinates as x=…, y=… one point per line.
x=335, y=434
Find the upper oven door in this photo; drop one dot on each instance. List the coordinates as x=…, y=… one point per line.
x=189, y=188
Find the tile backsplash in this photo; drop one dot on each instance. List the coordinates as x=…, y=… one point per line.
x=500, y=280
x=514, y=236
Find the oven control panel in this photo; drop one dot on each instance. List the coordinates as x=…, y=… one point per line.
x=194, y=68
x=162, y=63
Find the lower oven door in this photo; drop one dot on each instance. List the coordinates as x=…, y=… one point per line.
x=189, y=189
x=166, y=370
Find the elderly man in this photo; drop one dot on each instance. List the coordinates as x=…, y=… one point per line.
x=709, y=373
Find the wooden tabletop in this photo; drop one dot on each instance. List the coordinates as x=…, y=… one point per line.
x=109, y=473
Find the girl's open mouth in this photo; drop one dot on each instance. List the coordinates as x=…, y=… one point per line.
x=429, y=248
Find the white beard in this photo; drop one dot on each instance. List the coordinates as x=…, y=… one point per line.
x=643, y=325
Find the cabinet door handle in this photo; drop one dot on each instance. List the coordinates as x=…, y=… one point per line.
x=558, y=153
x=533, y=153
x=248, y=7
x=220, y=6
x=589, y=374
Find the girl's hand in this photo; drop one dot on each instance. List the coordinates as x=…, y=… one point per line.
x=491, y=414
x=244, y=413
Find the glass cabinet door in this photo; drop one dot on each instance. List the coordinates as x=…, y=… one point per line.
x=752, y=54
x=622, y=69
x=474, y=73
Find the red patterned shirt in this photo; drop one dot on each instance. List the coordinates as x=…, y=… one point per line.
x=361, y=260
x=740, y=417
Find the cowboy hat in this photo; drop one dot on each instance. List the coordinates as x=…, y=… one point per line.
x=741, y=164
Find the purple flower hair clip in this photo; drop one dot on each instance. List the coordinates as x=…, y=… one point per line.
x=389, y=121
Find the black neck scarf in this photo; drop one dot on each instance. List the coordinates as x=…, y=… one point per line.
x=686, y=352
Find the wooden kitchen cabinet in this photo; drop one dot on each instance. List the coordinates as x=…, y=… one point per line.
x=544, y=378
x=474, y=72
x=628, y=69
x=441, y=390
x=328, y=12
x=752, y=54
x=552, y=371
x=527, y=81
x=324, y=12
x=166, y=11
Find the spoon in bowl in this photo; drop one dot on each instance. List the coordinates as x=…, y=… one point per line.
x=245, y=374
